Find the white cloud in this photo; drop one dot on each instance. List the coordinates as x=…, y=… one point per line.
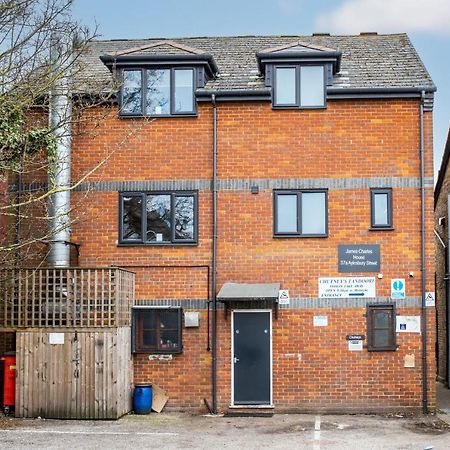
x=353, y=16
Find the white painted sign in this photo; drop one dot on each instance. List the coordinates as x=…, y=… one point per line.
x=355, y=345
x=56, y=338
x=408, y=324
x=347, y=287
x=430, y=299
x=283, y=297
x=320, y=321
x=398, y=288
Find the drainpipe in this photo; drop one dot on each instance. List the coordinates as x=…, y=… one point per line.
x=60, y=110
x=423, y=267
x=214, y=260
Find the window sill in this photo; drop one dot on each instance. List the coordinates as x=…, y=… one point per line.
x=386, y=349
x=381, y=229
x=157, y=352
x=158, y=244
x=321, y=236
x=298, y=107
x=159, y=116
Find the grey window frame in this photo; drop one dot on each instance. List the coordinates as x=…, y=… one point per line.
x=298, y=87
x=136, y=344
x=143, y=195
x=371, y=329
x=373, y=193
x=298, y=193
x=144, y=83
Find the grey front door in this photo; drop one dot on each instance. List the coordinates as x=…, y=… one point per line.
x=252, y=358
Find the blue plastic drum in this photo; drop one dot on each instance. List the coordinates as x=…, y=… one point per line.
x=142, y=398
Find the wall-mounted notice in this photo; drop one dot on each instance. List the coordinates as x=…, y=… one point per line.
x=347, y=287
x=408, y=324
x=359, y=258
x=56, y=338
x=320, y=321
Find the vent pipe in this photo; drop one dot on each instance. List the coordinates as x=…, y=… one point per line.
x=60, y=112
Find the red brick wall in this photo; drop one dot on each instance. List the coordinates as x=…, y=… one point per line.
x=349, y=139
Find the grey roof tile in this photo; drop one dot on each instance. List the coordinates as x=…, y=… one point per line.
x=367, y=60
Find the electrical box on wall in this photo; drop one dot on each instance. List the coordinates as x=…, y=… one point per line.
x=191, y=319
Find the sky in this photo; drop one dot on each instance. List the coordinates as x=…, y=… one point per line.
x=426, y=22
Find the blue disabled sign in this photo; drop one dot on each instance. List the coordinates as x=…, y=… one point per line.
x=398, y=288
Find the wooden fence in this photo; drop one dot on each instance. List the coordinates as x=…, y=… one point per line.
x=83, y=374
x=65, y=297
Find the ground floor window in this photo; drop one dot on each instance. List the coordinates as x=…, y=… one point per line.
x=381, y=327
x=156, y=330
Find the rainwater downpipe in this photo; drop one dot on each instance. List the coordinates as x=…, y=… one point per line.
x=214, y=260
x=423, y=267
x=60, y=115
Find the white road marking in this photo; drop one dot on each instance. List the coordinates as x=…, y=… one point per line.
x=107, y=433
x=316, y=444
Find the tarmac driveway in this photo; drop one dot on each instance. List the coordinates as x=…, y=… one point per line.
x=170, y=430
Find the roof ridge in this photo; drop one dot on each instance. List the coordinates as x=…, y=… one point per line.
x=246, y=36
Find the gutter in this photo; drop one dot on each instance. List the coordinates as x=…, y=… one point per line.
x=214, y=260
x=333, y=93
x=423, y=267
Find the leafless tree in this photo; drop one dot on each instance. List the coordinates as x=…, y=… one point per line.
x=30, y=32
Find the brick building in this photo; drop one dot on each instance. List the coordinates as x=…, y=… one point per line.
x=244, y=169
x=441, y=215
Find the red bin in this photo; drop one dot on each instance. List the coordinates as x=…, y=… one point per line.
x=9, y=381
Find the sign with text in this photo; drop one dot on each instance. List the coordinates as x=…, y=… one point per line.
x=359, y=258
x=408, y=324
x=347, y=287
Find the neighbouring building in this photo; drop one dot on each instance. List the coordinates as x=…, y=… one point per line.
x=442, y=237
x=273, y=196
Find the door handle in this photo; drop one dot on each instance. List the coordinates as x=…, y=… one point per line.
x=235, y=360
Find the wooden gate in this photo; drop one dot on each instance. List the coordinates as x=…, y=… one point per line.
x=76, y=374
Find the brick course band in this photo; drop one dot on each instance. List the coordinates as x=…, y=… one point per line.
x=263, y=183
x=243, y=184
x=295, y=303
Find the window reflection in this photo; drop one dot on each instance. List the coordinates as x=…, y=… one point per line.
x=132, y=218
x=131, y=92
x=158, y=218
x=184, y=218
x=184, y=90
x=158, y=91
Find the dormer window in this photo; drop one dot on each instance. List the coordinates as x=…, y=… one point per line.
x=299, y=87
x=299, y=73
x=159, y=79
x=158, y=92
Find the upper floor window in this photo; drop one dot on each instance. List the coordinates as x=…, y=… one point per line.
x=299, y=86
x=381, y=208
x=158, y=217
x=300, y=213
x=158, y=92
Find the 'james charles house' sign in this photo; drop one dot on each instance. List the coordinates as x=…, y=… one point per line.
x=359, y=258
